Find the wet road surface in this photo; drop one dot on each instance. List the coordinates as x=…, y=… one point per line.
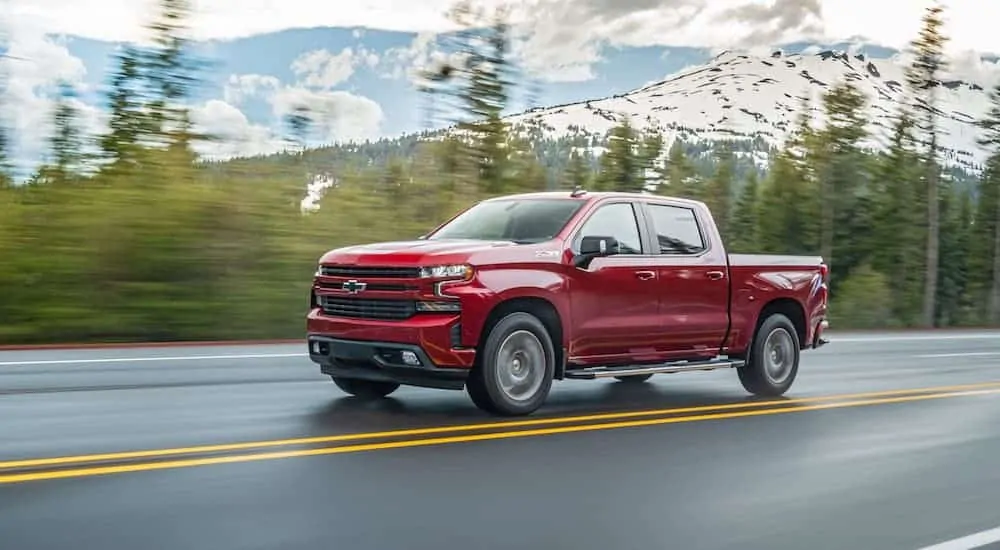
x=886, y=441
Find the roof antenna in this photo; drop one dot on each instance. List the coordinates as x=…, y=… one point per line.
x=578, y=191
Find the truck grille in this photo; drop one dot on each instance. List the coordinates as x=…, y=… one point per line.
x=361, y=308
x=370, y=271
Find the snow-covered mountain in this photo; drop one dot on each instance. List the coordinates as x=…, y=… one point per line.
x=746, y=96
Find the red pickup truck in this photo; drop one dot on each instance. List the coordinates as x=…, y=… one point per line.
x=518, y=291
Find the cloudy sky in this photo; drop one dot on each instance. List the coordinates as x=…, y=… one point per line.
x=562, y=39
x=662, y=22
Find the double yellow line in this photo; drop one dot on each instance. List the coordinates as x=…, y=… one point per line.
x=62, y=467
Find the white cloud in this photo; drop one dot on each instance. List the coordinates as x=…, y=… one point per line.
x=35, y=67
x=648, y=20
x=322, y=69
x=242, y=86
x=235, y=134
x=336, y=115
x=970, y=65
x=37, y=64
x=563, y=38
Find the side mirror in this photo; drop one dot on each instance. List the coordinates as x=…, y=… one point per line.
x=595, y=247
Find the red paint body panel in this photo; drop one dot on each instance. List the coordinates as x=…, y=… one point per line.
x=622, y=309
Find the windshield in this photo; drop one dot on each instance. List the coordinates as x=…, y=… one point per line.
x=521, y=221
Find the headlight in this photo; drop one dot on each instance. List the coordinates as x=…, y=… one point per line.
x=447, y=272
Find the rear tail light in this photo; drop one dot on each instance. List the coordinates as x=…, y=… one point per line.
x=824, y=271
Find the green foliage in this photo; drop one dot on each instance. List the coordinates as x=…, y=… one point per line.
x=158, y=246
x=863, y=301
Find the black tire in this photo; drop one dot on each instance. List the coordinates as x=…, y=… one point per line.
x=526, y=336
x=775, y=338
x=365, y=389
x=634, y=379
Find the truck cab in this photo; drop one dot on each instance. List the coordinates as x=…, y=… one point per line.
x=519, y=291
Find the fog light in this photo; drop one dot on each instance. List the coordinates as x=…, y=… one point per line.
x=410, y=358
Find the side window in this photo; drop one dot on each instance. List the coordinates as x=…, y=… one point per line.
x=614, y=220
x=676, y=229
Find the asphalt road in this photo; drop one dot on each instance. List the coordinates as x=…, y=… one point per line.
x=886, y=441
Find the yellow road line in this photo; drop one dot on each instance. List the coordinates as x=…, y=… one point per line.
x=126, y=468
x=459, y=428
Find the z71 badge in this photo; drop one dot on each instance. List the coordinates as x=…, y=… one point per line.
x=546, y=253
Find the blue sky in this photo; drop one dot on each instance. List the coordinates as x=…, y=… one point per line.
x=259, y=68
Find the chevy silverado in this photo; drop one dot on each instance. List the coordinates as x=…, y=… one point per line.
x=517, y=291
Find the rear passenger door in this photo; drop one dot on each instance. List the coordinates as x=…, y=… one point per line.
x=613, y=300
x=693, y=280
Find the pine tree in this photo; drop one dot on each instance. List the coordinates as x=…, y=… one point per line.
x=5, y=178
x=170, y=74
x=651, y=147
x=66, y=142
x=922, y=78
x=837, y=155
x=952, y=271
x=577, y=172
x=897, y=241
x=480, y=83
x=719, y=189
x=801, y=152
x=299, y=122
x=988, y=217
x=622, y=164
x=128, y=123
x=744, y=227
x=682, y=180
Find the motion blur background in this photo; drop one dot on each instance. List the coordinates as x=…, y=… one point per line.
x=173, y=172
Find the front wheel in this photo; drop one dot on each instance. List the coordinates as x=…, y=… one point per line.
x=774, y=358
x=515, y=367
x=365, y=389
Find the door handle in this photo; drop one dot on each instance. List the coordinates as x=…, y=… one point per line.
x=715, y=275
x=645, y=275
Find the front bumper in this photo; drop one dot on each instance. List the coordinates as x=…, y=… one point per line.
x=405, y=364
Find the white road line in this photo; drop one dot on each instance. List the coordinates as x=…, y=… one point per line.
x=150, y=359
x=930, y=338
x=975, y=540
x=834, y=339
x=965, y=354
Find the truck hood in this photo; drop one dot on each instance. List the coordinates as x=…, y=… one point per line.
x=416, y=252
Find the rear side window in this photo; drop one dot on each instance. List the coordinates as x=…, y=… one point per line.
x=677, y=230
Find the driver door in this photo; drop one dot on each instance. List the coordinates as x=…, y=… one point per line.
x=614, y=303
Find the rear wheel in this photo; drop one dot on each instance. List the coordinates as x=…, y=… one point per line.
x=366, y=389
x=774, y=358
x=514, y=368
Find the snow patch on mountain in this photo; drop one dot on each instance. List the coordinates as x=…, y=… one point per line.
x=744, y=96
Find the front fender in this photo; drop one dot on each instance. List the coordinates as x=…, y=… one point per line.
x=490, y=288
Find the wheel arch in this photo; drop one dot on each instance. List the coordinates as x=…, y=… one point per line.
x=789, y=307
x=540, y=307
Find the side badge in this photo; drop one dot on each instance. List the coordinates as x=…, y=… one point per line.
x=546, y=253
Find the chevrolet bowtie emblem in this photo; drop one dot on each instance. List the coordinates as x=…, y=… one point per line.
x=353, y=287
